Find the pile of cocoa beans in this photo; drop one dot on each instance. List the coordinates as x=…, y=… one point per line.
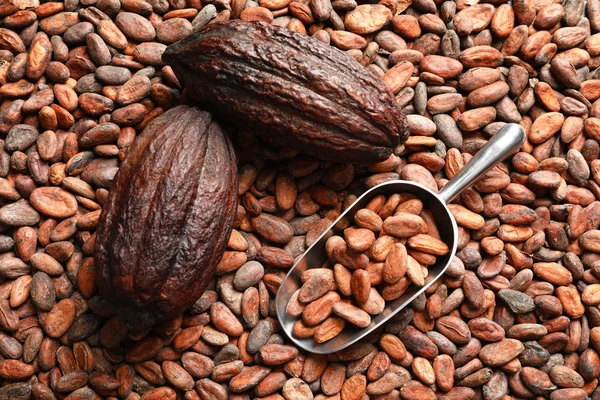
x=516, y=315
x=389, y=247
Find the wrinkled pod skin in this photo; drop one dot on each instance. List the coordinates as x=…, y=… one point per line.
x=291, y=90
x=168, y=217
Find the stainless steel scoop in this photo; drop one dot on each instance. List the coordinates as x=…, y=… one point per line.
x=509, y=139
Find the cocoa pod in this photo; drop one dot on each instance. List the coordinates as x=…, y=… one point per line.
x=221, y=65
x=170, y=160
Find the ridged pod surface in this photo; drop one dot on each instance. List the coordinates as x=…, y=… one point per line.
x=168, y=217
x=291, y=90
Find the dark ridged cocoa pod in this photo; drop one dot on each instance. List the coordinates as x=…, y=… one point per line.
x=168, y=217
x=291, y=90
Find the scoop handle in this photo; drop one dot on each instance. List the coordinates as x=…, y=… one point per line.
x=503, y=143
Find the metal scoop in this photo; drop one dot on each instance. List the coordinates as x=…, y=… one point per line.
x=508, y=140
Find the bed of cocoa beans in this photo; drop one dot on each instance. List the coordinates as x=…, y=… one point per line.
x=515, y=316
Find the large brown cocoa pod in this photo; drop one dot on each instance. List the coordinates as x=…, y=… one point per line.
x=291, y=90
x=168, y=217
